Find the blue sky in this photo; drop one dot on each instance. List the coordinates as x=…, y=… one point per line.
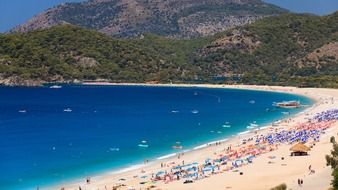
x=319, y=7
x=14, y=12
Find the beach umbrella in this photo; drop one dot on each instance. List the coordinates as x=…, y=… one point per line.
x=160, y=173
x=300, y=147
x=149, y=184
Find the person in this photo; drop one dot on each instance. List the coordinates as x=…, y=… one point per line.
x=310, y=168
x=298, y=181
x=301, y=181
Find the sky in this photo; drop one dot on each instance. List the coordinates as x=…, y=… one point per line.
x=319, y=7
x=15, y=12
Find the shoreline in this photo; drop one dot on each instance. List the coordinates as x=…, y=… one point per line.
x=128, y=171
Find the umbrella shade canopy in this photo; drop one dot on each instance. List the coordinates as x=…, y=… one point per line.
x=160, y=173
x=299, y=147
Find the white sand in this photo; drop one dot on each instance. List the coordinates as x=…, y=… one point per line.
x=260, y=175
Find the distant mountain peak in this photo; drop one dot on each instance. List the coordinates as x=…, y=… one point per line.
x=171, y=18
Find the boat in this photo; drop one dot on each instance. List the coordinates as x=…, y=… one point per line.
x=252, y=126
x=55, y=87
x=194, y=111
x=287, y=104
x=177, y=147
x=226, y=126
x=67, y=110
x=143, y=145
x=22, y=111
x=114, y=149
x=252, y=101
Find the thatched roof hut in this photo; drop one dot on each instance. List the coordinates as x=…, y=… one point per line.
x=299, y=149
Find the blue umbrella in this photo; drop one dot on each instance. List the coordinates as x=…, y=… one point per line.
x=159, y=173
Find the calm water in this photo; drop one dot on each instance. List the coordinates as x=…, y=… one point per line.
x=47, y=145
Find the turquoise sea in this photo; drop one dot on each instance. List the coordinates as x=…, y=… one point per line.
x=50, y=136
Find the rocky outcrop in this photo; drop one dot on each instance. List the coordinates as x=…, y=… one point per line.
x=17, y=81
x=86, y=62
x=326, y=54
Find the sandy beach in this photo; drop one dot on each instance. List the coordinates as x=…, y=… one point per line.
x=267, y=169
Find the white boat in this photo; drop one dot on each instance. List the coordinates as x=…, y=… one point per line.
x=143, y=145
x=252, y=126
x=67, y=110
x=226, y=126
x=287, y=104
x=22, y=111
x=194, y=111
x=252, y=101
x=55, y=86
x=114, y=149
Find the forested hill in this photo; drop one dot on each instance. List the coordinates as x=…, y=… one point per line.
x=290, y=49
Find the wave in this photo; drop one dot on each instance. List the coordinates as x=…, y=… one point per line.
x=130, y=168
x=166, y=156
x=244, y=132
x=200, y=146
x=261, y=128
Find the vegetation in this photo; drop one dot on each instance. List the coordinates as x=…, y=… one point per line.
x=273, y=51
x=332, y=161
x=167, y=18
x=59, y=53
x=289, y=49
x=280, y=187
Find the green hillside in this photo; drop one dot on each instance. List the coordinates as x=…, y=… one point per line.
x=68, y=52
x=275, y=50
x=289, y=49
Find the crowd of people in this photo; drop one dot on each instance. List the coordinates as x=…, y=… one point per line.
x=234, y=157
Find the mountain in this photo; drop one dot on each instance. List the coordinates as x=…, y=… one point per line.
x=171, y=18
x=290, y=49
